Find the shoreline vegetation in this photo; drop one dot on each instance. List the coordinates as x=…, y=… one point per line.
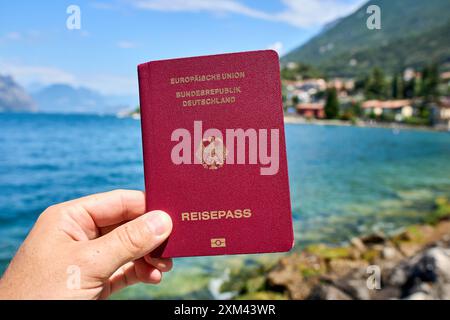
x=296, y=119
x=413, y=263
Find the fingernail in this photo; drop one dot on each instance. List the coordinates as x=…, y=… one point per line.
x=158, y=222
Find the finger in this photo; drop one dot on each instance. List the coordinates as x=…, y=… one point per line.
x=147, y=273
x=107, y=229
x=130, y=241
x=132, y=273
x=112, y=207
x=123, y=277
x=162, y=264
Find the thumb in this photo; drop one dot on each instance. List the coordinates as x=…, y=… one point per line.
x=132, y=240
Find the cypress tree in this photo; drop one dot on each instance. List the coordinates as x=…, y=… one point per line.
x=331, y=104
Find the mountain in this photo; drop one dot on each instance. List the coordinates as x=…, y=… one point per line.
x=413, y=33
x=13, y=97
x=63, y=98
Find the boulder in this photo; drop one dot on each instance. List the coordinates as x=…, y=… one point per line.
x=355, y=286
x=328, y=292
x=287, y=279
x=342, y=267
x=429, y=273
x=358, y=244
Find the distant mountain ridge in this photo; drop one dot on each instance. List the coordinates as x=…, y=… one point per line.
x=64, y=98
x=413, y=33
x=13, y=97
x=60, y=98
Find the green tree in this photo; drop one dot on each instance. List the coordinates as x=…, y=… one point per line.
x=428, y=89
x=397, y=87
x=430, y=82
x=295, y=100
x=331, y=104
x=361, y=82
x=319, y=95
x=356, y=109
x=375, y=87
x=284, y=99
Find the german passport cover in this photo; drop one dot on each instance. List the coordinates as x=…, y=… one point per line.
x=214, y=153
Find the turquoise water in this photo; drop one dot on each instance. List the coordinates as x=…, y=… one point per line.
x=344, y=180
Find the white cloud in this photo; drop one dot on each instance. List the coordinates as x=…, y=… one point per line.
x=28, y=75
x=277, y=46
x=125, y=44
x=217, y=6
x=299, y=13
x=308, y=13
x=110, y=84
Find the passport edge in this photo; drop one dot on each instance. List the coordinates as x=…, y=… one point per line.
x=267, y=51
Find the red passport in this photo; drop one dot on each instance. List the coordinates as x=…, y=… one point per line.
x=214, y=153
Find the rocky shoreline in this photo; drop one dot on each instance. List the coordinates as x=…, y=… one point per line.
x=413, y=263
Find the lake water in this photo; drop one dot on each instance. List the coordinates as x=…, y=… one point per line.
x=344, y=181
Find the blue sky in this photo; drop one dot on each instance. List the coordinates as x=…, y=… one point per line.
x=37, y=48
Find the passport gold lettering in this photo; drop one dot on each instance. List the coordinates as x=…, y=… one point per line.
x=207, y=77
x=216, y=215
x=208, y=92
x=208, y=96
x=208, y=101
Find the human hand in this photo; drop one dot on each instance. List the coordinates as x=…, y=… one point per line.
x=89, y=248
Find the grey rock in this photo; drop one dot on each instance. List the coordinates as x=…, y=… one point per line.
x=389, y=253
x=398, y=276
x=427, y=273
x=328, y=292
x=358, y=244
x=355, y=285
x=358, y=289
x=441, y=258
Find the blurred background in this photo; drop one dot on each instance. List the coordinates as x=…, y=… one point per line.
x=366, y=96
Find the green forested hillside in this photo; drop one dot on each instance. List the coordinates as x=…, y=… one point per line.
x=413, y=33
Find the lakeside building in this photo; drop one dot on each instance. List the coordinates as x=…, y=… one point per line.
x=441, y=114
x=445, y=77
x=310, y=86
x=307, y=90
x=400, y=109
x=311, y=110
x=341, y=84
